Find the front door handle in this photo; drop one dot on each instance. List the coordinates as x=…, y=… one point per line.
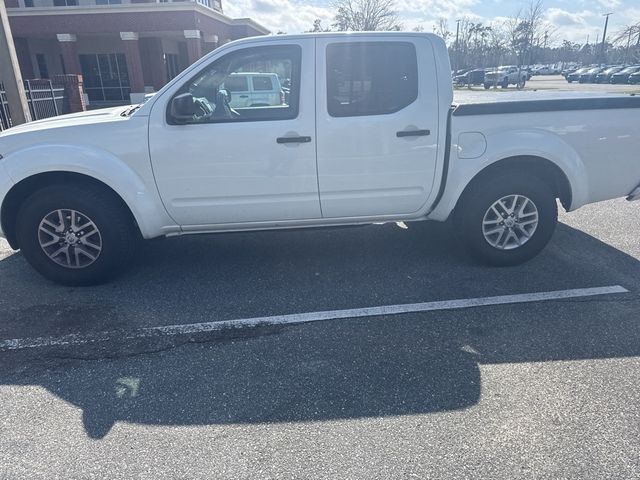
x=293, y=139
x=413, y=133
x=244, y=96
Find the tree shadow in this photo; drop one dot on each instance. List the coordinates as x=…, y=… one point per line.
x=370, y=367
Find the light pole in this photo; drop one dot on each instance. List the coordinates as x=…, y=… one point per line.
x=10, y=72
x=604, y=35
x=457, y=49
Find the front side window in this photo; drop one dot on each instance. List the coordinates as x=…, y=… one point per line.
x=221, y=92
x=370, y=78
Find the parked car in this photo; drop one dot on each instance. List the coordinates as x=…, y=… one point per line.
x=472, y=77
x=590, y=75
x=634, y=78
x=544, y=70
x=505, y=76
x=575, y=75
x=605, y=75
x=369, y=136
x=623, y=75
x=254, y=89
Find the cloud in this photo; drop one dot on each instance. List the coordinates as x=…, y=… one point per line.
x=295, y=16
x=562, y=18
x=280, y=15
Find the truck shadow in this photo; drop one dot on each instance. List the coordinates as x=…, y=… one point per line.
x=373, y=367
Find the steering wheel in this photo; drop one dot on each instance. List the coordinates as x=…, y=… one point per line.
x=203, y=109
x=222, y=108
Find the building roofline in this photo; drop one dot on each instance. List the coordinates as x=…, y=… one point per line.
x=135, y=8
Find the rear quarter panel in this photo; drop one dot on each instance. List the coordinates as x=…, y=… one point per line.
x=598, y=150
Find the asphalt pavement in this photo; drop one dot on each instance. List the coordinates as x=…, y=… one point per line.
x=532, y=390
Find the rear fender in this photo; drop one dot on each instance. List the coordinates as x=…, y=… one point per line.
x=503, y=145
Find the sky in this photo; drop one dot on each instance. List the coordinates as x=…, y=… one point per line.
x=568, y=19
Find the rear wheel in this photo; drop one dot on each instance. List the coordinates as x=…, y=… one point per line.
x=505, y=83
x=76, y=234
x=506, y=220
x=487, y=86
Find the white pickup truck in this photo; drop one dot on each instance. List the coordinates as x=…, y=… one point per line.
x=368, y=134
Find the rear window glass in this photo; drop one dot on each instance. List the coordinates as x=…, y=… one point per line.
x=370, y=78
x=262, y=83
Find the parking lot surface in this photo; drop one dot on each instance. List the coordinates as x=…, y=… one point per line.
x=540, y=389
x=558, y=83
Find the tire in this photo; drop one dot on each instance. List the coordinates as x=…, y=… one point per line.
x=473, y=210
x=487, y=86
x=52, y=208
x=521, y=84
x=505, y=83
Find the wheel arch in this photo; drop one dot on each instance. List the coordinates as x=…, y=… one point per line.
x=16, y=196
x=540, y=167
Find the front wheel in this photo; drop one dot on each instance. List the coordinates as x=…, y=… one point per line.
x=506, y=220
x=76, y=234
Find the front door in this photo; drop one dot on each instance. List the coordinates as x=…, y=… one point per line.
x=224, y=165
x=377, y=123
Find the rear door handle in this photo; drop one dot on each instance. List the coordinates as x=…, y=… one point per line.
x=413, y=133
x=293, y=139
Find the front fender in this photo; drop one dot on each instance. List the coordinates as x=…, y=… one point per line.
x=137, y=189
x=502, y=145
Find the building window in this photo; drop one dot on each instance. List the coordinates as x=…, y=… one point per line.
x=172, y=64
x=106, y=78
x=42, y=65
x=28, y=3
x=206, y=3
x=65, y=3
x=108, y=2
x=373, y=78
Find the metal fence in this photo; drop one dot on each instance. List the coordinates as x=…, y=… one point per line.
x=44, y=98
x=5, y=118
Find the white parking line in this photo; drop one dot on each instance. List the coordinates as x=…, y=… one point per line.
x=204, y=327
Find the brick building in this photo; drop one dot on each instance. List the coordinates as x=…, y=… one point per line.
x=120, y=47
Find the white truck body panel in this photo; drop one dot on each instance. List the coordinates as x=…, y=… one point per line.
x=234, y=176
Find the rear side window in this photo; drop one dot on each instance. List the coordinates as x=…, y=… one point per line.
x=236, y=83
x=370, y=78
x=262, y=83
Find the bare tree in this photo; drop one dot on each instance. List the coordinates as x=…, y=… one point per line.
x=318, y=27
x=365, y=15
x=442, y=30
x=525, y=31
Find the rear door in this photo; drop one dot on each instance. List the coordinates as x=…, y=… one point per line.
x=238, y=87
x=377, y=124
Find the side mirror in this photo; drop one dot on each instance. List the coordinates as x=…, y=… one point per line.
x=182, y=107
